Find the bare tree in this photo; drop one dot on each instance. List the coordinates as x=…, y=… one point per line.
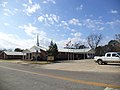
x=77, y=44
x=93, y=40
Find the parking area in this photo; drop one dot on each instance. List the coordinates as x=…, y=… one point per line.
x=83, y=65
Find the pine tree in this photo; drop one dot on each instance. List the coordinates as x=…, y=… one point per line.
x=53, y=49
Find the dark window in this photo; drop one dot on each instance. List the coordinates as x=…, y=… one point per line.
x=108, y=55
x=114, y=55
x=118, y=53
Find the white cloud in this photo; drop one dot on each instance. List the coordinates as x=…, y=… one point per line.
x=15, y=9
x=93, y=24
x=77, y=34
x=75, y=22
x=101, y=28
x=11, y=41
x=4, y=4
x=65, y=25
x=6, y=24
x=114, y=24
x=30, y=9
x=79, y=7
x=25, y=5
x=114, y=11
x=30, y=1
x=31, y=30
x=8, y=12
x=49, y=19
x=89, y=23
x=73, y=30
x=14, y=41
x=41, y=19
x=47, y=1
x=55, y=17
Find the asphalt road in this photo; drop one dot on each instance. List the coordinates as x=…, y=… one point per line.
x=26, y=77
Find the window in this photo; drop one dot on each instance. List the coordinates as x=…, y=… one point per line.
x=108, y=55
x=118, y=53
x=114, y=55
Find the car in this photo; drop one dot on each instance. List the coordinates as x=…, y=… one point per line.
x=110, y=57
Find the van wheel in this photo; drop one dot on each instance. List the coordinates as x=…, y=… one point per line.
x=100, y=62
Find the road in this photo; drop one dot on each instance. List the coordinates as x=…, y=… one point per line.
x=27, y=77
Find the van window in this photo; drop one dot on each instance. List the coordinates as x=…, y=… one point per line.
x=108, y=55
x=114, y=55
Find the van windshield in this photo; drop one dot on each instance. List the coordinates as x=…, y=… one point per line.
x=118, y=53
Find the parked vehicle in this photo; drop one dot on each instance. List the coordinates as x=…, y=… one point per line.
x=112, y=57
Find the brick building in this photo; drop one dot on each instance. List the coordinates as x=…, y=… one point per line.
x=11, y=55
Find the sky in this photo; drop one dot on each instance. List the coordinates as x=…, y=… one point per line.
x=58, y=20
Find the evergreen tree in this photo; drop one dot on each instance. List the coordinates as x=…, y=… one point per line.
x=53, y=49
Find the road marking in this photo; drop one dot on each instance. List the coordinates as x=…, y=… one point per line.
x=66, y=78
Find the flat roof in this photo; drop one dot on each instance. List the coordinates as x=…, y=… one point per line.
x=13, y=53
x=86, y=50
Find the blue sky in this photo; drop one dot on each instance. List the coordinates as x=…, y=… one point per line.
x=57, y=20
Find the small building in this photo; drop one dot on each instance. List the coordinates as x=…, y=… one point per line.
x=11, y=55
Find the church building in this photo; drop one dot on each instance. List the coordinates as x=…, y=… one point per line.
x=38, y=52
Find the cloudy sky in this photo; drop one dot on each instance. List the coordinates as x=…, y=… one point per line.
x=57, y=20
